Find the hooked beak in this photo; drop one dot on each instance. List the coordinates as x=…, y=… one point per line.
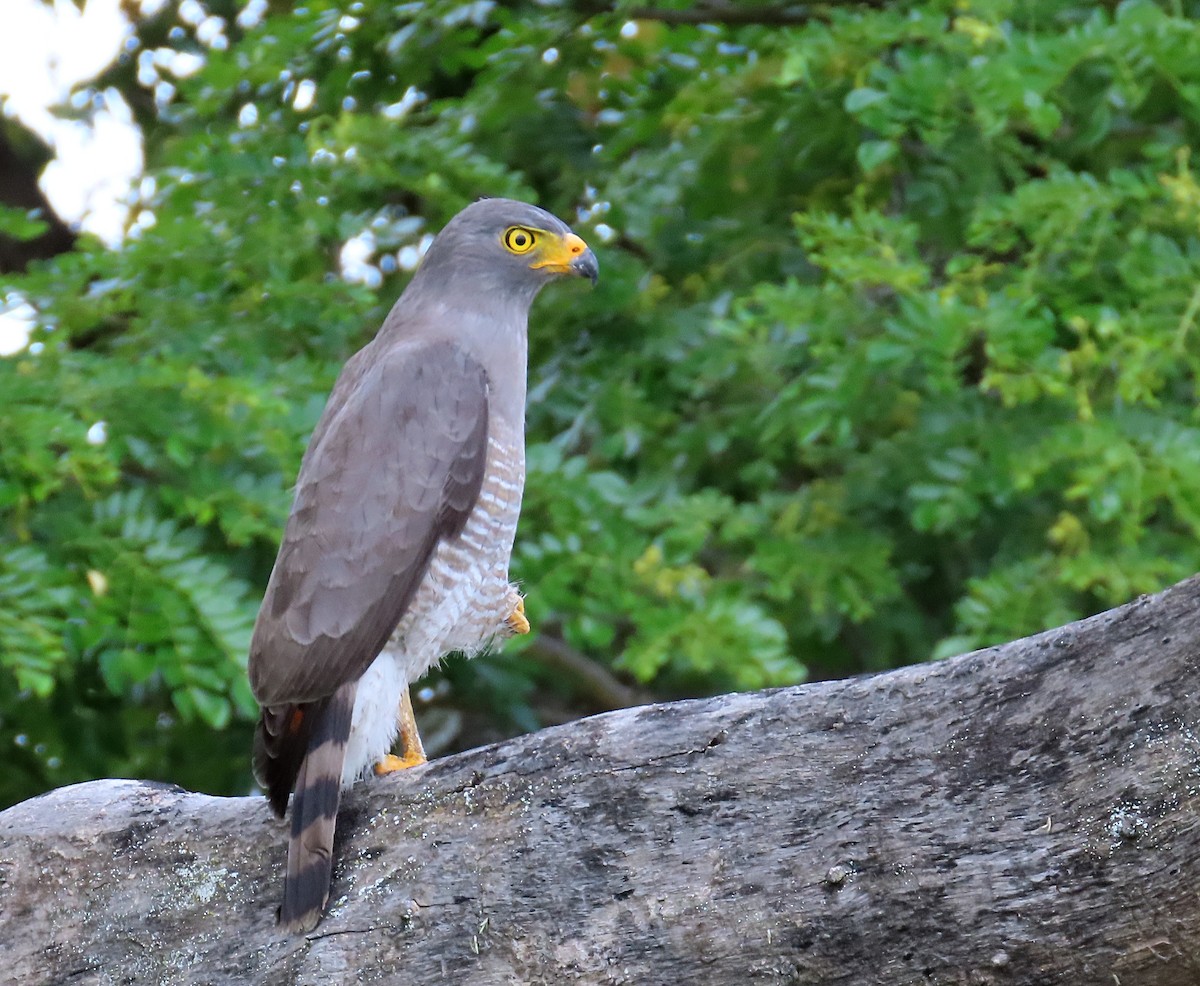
x=586, y=265
x=569, y=255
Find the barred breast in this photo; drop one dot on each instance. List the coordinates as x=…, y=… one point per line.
x=465, y=598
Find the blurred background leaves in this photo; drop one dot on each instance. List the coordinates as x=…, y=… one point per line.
x=894, y=354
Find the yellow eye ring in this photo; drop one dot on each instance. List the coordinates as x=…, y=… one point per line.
x=519, y=239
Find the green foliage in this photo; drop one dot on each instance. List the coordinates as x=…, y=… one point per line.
x=20, y=225
x=894, y=352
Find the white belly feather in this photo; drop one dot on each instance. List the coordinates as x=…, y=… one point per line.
x=375, y=722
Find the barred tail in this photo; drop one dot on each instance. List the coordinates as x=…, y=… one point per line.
x=314, y=813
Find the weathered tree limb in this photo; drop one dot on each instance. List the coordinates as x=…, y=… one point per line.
x=1022, y=815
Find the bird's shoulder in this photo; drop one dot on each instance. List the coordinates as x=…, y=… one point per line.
x=398, y=375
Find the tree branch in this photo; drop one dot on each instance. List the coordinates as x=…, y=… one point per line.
x=727, y=13
x=1021, y=815
x=595, y=680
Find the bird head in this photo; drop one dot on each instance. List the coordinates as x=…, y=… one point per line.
x=507, y=247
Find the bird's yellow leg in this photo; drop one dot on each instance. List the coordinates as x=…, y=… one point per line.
x=517, y=621
x=412, y=751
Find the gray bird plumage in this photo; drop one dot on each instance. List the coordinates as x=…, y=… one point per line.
x=403, y=519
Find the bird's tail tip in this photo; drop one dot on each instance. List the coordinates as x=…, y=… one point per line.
x=314, y=816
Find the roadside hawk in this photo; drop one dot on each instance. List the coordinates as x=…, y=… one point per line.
x=402, y=525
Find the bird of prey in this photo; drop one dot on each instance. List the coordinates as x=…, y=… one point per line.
x=402, y=525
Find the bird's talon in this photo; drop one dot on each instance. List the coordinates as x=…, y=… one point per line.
x=517, y=622
x=392, y=763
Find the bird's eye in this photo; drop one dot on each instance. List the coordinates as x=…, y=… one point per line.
x=518, y=239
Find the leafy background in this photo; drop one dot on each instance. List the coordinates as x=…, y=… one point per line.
x=894, y=354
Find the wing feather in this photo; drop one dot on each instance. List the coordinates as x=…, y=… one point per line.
x=394, y=467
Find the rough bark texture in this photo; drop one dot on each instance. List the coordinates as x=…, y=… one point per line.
x=1025, y=814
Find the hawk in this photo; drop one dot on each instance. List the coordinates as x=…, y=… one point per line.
x=402, y=525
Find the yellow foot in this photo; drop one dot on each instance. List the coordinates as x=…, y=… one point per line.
x=392, y=763
x=517, y=621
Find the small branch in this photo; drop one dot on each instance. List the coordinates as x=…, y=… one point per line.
x=729, y=14
x=597, y=681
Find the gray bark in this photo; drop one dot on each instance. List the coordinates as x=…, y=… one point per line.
x=1024, y=815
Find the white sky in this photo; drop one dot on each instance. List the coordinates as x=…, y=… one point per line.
x=48, y=52
x=45, y=51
